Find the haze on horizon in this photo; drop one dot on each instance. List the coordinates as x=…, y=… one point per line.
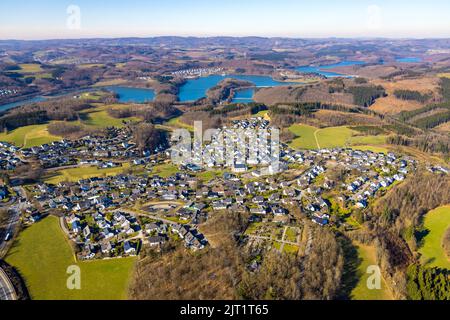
x=60, y=19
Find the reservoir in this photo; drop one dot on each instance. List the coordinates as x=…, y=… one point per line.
x=126, y=94
x=243, y=96
x=409, y=60
x=129, y=94
x=11, y=105
x=322, y=70
x=195, y=89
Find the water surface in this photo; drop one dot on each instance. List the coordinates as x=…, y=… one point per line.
x=195, y=89
x=322, y=70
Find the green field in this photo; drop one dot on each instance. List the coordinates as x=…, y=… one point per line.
x=436, y=222
x=29, y=136
x=164, y=170
x=309, y=137
x=42, y=255
x=30, y=68
x=209, y=175
x=367, y=256
x=99, y=118
x=176, y=123
x=76, y=174
x=305, y=134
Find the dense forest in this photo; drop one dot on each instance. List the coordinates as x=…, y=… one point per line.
x=365, y=96
x=411, y=95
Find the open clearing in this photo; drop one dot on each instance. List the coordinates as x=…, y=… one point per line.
x=29, y=136
x=314, y=138
x=42, y=255
x=392, y=105
x=100, y=118
x=367, y=256
x=30, y=68
x=436, y=222
x=164, y=170
x=76, y=174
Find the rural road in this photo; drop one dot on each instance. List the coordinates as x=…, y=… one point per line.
x=7, y=291
x=132, y=212
x=14, y=210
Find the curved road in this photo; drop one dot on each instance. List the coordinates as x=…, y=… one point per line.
x=7, y=291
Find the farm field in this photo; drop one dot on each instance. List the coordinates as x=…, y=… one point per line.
x=42, y=255
x=76, y=174
x=305, y=134
x=29, y=136
x=99, y=118
x=314, y=138
x=367, y=256
x=30, y=68
x=437, y=221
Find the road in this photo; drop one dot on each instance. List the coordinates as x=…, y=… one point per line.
x=135, y=213
x=7, y=291
x=14, y=218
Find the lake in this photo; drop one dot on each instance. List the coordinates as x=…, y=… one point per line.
x=126, y=94
x=129, y=94
x=322, y=70
x=11, y=105
x=195, y=89
x=409, y=60
x=243, y=96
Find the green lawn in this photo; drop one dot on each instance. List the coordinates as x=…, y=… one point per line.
x=207, y=176
x=164, y=170
x=305, y=136
x=437, y=222
x=334, y=136
x=101, y=119
x=29, y=136
x=367, y=255
x=309, y=137
x=84, y=172
x=42, y=255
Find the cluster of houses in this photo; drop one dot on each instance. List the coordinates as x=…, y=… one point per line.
x=89, y=150
x=95, y=208
x=100, y=234
x=245, y=143
x=7, y=92
x=9, y=158
x=270, y=196
x=159, y=234
x=197, y=72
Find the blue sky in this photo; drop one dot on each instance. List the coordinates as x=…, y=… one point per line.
x=46, y=19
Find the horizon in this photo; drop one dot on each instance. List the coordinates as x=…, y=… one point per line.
x=226, y=36
x=348, y=19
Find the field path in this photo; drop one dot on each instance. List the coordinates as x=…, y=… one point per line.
x=317, y=140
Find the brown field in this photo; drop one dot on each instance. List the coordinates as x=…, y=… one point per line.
x=392, y=105
x=337, y=118
x=370, y=72
x=288, y=94
x=445, y=127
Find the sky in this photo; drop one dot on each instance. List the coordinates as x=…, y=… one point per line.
x=58, y=19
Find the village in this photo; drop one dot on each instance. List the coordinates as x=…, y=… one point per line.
x=114, y=216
